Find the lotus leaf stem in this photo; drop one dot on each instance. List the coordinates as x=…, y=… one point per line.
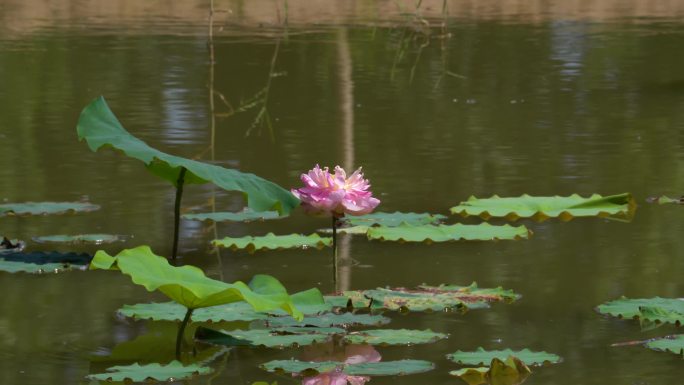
x=181, y=330
x=334, y=247
x=176, y=210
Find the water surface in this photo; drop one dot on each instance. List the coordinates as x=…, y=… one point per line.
x=544, y=106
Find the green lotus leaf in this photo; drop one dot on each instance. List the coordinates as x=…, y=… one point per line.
x=388, y=368
x=96, y=239
x=174, y=371
x=309, y=302
x=444, y=233
x=426, y=298
x=329, y=320
x=481, y=356
x=100, y=128
x=672, y=344
x=510, y=372
x=271, y=241
x=665, y=310
x=393, y=337
x=242, y=216
x=392, y=219
x=188, y=285
x=272, y=338
x=45, y=208
x=542, y=208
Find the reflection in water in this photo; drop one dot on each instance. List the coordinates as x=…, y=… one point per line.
x=348, y=354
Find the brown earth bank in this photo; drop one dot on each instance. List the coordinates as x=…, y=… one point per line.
x=25, y=16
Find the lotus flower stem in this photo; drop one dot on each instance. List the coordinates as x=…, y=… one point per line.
x=181, y=331
x=334, y=247
x=176, y=211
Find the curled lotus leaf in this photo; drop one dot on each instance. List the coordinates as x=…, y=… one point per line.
x=510, y=372
x=100, y=128
x=447, y=233
x=270, y=338
x=96, y=239
x=241, y=216
x=393, y=337
x=541, y=208
x=329, y=320
x=426, y=298
x=672, y=344
x=45, y=208
x=392, y=219
x=188, y=285
x=271, y=241
x=174, y=371
x=481, y=356
x=658, y=310
x=387, y=368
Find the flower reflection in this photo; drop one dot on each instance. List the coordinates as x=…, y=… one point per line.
x=348, y=354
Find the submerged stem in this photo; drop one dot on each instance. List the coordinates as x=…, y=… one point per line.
x=181, y=331
x=176, y=211
x=334, y=247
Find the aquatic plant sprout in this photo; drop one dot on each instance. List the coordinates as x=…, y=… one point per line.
x=335, y=194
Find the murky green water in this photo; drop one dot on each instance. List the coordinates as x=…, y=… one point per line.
x=551, y=107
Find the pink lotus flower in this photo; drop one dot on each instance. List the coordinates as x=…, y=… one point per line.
x=325, y=193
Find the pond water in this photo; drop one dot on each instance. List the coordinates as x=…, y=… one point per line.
x=478, y=105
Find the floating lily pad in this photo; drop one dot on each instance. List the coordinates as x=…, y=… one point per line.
x=392, y=219
x=354, y=230
x=329, y=320
x=273, y=338
x=672, y=344
x=96, y=239
x=45, y=208
x=509, y=372
x=174, y=371
x=42, y=258
x=388, y=368
x=43, y=262
x=274, y=242
x=100, y=128
x=393, y=337
x=426, y=298
x=21, y=267
x=445, y=233
x=665, y=310
x=542, y=208
x=236, y=311
x=481, y=356
x=242, y=216
x=189, y=286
